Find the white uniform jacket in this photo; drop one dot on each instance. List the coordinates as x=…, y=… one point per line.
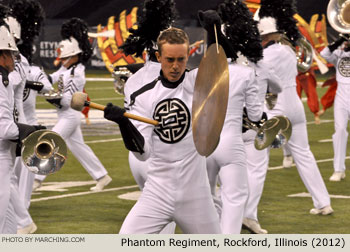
x=341, y=61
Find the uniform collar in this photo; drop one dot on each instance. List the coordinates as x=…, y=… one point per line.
x=168, y=84
x=270, y=43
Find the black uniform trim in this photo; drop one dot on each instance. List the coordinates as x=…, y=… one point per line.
x=73, y=68
x=145, y=88
x=168, y=84
x=270, y=43
x=5, y=76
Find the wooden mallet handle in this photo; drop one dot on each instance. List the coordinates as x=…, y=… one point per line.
x=128, y=115
x=79, y=100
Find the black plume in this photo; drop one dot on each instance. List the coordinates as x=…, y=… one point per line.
x=30, y=15
x=283, y=12
x=4, y=11
x=157, y=16
x=78, y=29
x=241, y=29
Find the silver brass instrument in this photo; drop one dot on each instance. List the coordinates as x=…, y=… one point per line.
x=304, y=55
x=338, y=14
x=120, y=76
x=44, y=152
x=52, y=94
x=275, y=133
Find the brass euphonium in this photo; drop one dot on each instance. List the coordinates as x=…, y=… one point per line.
x=44, y=152
x=304, y=55
x=338, y=15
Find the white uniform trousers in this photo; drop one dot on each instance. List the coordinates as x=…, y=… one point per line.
x=190, y=205
x=25, y=185
x=7, y=215
x=341, y=118
x=257, y=164
x=290, y=105
x=69, y=129
x=139, y=171
x=286, y=150
x=229, y=161
x=22, y=215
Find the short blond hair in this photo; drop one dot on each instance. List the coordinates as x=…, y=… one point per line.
x=172, y=35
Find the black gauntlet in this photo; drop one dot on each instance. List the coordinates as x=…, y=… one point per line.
x=248, y=124
x=133, y=140
x=337, y=43
x=55, y=101
x=35, y=85
x=24, y=131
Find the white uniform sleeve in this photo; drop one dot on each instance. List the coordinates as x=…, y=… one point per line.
x=55, y=75
x=274, y=82
x=18, y=79
x=144, y=128
x=38, y=75
x=72, y=84
x=9, y=129
x=331, y=57
x=252, y=103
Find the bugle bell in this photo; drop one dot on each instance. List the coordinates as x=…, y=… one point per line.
x=44, y=152
x=338, y=15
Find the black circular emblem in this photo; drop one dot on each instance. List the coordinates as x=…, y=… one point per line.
x=174, y=120
x=26, y=93
x=344, y=66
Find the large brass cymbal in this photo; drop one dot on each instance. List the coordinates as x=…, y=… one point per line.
x=210, y=100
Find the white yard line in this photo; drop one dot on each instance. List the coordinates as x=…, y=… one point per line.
x=305, y=194
x=325, y=141
x=99, y=79
x=83, y=193
x=97, y=99
x=104, y=141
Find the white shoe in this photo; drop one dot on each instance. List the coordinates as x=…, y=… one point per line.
x=323, y=211
x=37, y=184
x=287, y=161
x=253, y=226
x=30, y=229
x=337, y=176
x=101, y=183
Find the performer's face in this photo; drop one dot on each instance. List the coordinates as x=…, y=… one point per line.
x=8, y=60
x=173, y=59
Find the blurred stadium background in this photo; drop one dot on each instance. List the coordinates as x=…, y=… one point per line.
x=64, y=204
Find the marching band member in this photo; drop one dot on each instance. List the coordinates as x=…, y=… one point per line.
x=275, y=22
x=74, y=51
x=229, y=158
x=339, y=57
x=157, y=16
x=25, y=22
x=177, y=187
x=11, y=132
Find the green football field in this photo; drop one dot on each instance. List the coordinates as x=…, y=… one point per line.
x=66, y=205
